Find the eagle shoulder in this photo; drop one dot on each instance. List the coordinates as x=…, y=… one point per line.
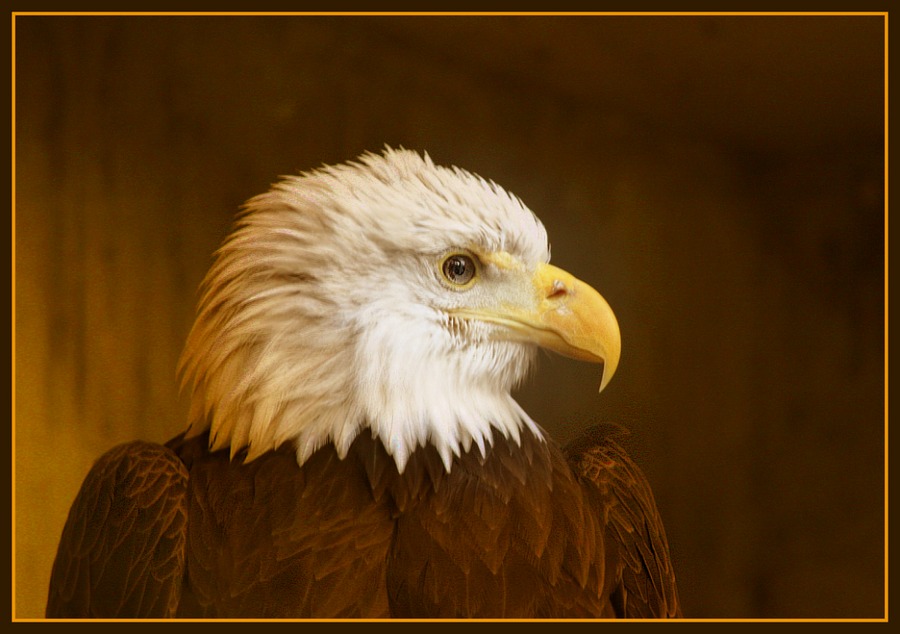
x=642, y=583
x=122, y=550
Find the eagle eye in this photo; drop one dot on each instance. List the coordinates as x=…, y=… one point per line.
x=459, y=269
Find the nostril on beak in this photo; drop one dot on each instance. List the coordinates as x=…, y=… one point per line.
x=557, y=290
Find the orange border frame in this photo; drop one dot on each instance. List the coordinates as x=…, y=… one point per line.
x=14, y=14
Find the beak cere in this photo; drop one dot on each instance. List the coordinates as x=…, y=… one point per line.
x=564, y=315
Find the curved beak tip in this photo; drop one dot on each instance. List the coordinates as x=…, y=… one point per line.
x=606, y=376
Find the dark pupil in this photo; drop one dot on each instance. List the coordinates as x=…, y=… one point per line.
x=458, y=269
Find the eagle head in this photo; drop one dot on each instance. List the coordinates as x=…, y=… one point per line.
x=390, y=294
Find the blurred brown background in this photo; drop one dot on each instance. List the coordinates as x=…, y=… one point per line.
x=719, y=179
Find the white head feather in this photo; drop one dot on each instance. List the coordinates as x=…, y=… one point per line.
x=324, y=314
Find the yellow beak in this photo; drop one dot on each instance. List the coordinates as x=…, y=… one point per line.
x=565, y=315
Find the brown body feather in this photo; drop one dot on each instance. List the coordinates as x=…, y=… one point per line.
x=525, y=532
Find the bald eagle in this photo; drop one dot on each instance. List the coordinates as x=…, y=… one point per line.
x=353, y=449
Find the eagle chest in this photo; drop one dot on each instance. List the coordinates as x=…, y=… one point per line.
x=353, y=538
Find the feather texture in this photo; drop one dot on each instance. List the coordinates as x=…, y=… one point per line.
x=123, y=547
x=515, y=533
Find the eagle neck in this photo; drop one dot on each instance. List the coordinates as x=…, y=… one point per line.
x=507, y=465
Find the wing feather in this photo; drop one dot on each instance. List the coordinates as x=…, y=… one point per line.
x=122, y=549
x=643, y=585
